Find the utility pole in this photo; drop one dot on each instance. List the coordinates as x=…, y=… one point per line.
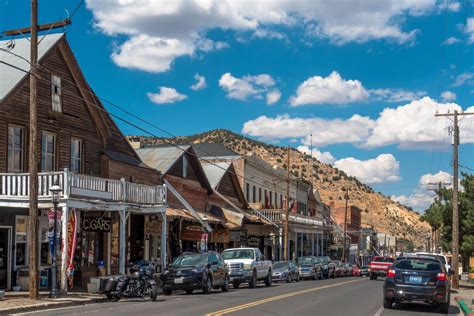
x=287, y=211
x=346, y=197
x=455, y=201
x=33, y=142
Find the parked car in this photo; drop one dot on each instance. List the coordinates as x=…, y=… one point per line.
x=379, y=266
x=364, y=271
x=327, y=266
x=247, y=265
x=339, y=271
x=440, y=257
x=196, y=271
x=309, y=268
x=356, y=270
x=417, y=278
x=285, y=271
x=348, y=269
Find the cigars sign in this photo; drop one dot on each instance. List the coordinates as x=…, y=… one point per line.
x=97, y=224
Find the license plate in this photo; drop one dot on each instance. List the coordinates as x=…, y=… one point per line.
x=178, y=281
x=415, y=279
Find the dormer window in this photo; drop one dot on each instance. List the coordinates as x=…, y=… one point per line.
x=56, y=93
x=185, y=166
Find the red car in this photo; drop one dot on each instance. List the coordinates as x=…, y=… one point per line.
x=356, y=271
x=379, y=266
x=340, y=270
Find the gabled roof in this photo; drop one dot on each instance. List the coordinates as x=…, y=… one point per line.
x=10, y=76
x=161, y=158
x=215, y=172
x=214, y=151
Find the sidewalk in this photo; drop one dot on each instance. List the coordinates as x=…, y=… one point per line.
x=465, y=293
x=17, y=302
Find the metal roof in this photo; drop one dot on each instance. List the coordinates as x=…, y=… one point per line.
x=214, y=151
x=11, y=76
x=161, y=158
x=215, y=172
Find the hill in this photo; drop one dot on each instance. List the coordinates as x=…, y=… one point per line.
x=378, y=210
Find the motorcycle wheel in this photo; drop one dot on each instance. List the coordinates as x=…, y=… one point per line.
x=153, y=294
x=113, y=298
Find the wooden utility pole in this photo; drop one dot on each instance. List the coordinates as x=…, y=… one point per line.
x=33, y=156
x=33, y=259
x=346, y=197
x=287, y=211
x=455, y=201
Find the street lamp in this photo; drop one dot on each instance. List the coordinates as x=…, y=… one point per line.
x=205, y=236
x=55, y=191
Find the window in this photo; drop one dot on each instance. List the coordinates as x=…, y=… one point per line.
x=254, y=191
x=260, y=195
x=21, y=238
x=247, y=191
x=15, y=148
x=56, y=93
x=48, y=152
x=185, y=166
x=270, y=194
x=76, y=155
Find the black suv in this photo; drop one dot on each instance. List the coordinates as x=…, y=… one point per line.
x=417, y=278
x=196, y=271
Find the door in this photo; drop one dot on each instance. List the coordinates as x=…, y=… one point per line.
x=216, y=269
x=5, y=258
x=261, y=269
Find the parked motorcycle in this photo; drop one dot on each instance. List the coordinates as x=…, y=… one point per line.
x=139, y=283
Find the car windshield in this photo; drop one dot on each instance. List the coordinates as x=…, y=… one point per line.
x=305, y=260
x=280, y=265
x=238, y=254
x=321, y=260
x=197, y=259
x=418, y=265
x=384, y=259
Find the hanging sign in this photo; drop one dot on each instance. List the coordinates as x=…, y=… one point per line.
x=96, y=224
x=190, y=231
x=220, y=235
x=253, y=241
x=51, y=229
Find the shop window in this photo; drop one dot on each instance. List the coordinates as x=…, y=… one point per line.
x=56, y=93
x=21, y=239
x=76, y=155
x=16, y=142
x=48, y=152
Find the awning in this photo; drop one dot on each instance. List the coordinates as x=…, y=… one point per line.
x=183, y=213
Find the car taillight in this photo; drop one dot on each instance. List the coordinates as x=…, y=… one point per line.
x=391, y=273
x=441, y=276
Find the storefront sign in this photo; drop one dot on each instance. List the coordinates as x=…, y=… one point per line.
x=153, y=227
x=220, y=235
x=190, y=231
x=234, y=235
x=253, y=241
x=96, y=224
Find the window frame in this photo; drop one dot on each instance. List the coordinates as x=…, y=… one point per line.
x=56, y=91
x=22, y=149
x=73, y=160
x=43, y=153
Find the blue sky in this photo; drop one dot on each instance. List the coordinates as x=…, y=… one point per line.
x=364, y=77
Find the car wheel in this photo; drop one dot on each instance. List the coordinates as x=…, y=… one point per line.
x=289, y=278
x=387, y=303
x=153, y=294
x=235, y=285
x=225, y=286
x=334, y=275
x=189, y=291
x=375, y=277
x=268, y=279
x=208, y=287
x=253, y=281
x=321, y=275
x=298, y=278
x=167, y=292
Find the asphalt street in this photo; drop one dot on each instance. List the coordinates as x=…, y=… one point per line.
x=344, y=296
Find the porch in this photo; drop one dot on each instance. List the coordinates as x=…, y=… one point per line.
x=86, y=193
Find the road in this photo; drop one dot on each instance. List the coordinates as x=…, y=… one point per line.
x=345, y=296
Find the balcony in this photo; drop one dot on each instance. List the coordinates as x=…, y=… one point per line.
x=14, y=190
x=278, y=217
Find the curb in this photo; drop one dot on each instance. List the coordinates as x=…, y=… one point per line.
x=49, y=305
x=464, y=308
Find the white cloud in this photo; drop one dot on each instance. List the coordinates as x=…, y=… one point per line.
x=200, y=82
x=257, y=86
x=470, y=29
x=466, y=78
x=417, y=201
x=331, y=89
x=166, y=95
x=325, y=157
x=451, y=40
x=448, y=96
x=273, y=96
x=395, y=95
x=384, y=168
x=428, y=179
x=450, y=6
x=166, y=30
x=269, y=34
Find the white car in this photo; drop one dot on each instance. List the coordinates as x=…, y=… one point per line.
x=247, y=265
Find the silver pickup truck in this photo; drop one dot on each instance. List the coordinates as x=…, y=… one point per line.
x=247, y=265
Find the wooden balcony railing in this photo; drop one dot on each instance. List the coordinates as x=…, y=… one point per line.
x=278, y=216
x=15, y=186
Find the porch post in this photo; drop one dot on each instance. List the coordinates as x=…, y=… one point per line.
x=280, y=243
x=321, y=240
x=312, y=245
x=163, y=240
x=65, y=241
x=123, y=223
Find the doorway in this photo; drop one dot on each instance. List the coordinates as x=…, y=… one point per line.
x=5, y=257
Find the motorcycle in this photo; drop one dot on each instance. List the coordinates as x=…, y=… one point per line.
x=139, y=283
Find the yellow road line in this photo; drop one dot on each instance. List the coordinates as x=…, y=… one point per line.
x=274, y=298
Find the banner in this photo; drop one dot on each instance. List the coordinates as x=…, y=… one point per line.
x=51, y=229
x=72, y=240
